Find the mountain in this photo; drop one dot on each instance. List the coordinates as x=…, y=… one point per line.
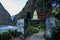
x=27, y=11
x=30, y=7
x=5, y=18
x=12, y=17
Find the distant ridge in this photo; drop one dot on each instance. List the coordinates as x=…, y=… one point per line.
x=12, y=17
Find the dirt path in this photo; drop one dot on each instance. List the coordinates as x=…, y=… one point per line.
x=37, y=36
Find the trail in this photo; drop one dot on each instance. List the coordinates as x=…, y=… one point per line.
x=36, y=36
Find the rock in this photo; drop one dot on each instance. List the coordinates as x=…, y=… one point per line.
x=4, y=16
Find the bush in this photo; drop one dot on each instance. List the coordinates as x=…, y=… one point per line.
x=56, y=33
x=8, y=35
x=5, y=36
x=31, y=30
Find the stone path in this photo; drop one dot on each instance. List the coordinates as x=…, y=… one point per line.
x=37, y=36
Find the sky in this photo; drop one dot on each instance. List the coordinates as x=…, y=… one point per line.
x=13, y=6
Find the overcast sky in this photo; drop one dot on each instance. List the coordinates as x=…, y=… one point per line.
x=13, y=6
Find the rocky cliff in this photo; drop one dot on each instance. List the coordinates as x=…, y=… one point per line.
x=4, y=16
x=28, y=10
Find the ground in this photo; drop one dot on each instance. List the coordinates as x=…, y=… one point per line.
x=36, y=36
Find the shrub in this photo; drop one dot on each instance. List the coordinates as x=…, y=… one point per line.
x=31, y=30
x=56, y=33
x=5, y=36
x=9, y=34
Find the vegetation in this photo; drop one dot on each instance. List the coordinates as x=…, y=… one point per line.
x=9, y=35
x=56, y=33
x=34, y=27
x=31, y=30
